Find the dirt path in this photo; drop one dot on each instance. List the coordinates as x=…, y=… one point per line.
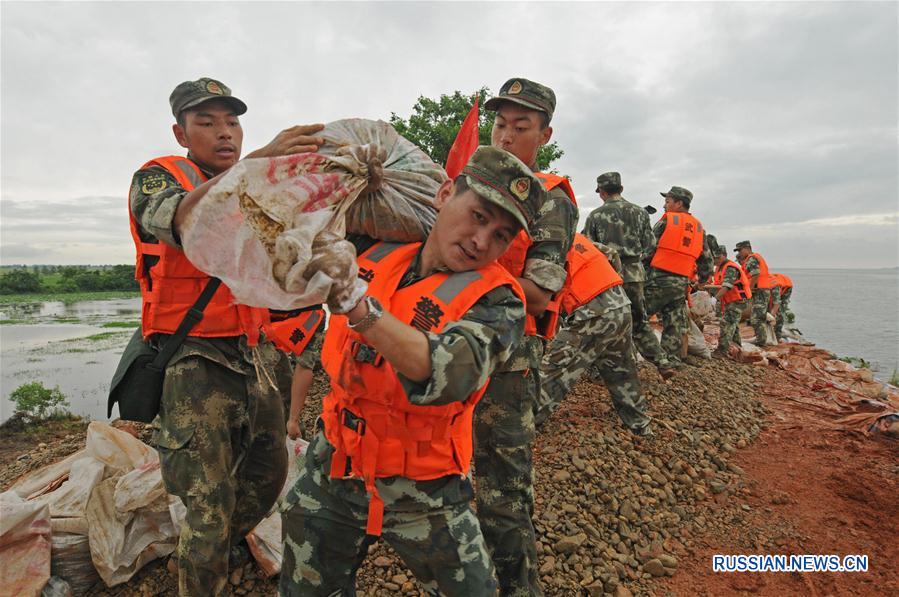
x=810, y=488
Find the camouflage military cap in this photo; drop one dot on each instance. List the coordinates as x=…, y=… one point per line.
x=742, y=244
x=678, y=193
x=526, y=93
x=608, y=178
x=720, y=250
x=193, y=93
x=501, y=178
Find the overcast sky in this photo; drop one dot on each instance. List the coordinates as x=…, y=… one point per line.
x=780, y=117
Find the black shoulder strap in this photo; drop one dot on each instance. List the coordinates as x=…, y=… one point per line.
x=193, y=316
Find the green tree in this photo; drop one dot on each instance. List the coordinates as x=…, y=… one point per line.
x=19, y=280
x=434, y=124
x=35, y=402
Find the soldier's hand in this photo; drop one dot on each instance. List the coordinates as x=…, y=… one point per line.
x=293, y=429
x=296, y=139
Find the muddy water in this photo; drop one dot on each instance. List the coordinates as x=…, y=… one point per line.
x=71, y=346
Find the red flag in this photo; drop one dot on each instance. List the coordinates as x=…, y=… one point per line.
x=465, y=145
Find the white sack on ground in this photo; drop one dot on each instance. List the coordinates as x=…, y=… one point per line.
x=696, y=344
x=123, y=541
x=267, y=219
x=24, y=546
x=702, y=306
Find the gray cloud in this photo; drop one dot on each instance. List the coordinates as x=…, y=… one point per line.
x=774, y=114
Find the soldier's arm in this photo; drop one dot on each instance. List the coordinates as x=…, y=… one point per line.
x=592, y=229
x=730, y=278
x=648, y=239
x=704, y=264
x=153, y=199
x=552, y=235
x=466, y=352
x=752, y=270
x=657, y=231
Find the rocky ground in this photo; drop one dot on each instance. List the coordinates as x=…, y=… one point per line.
x=733, y=468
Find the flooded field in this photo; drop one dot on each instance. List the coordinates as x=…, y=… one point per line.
x=75, y=346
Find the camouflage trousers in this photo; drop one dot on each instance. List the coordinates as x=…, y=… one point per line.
x=781, y=317
x=325, y=541
x=760, y=299
x=603, y=342
x=670, y=304
x=221, y=450
x=730, y=325
x=644, y=338
x=504, y=473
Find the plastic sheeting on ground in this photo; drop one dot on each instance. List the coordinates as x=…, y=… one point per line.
x=24, y=546
x=851, y=397
x=111, y=491
x=265, y=221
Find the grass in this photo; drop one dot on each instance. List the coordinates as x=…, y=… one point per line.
x=894, y=378
x=66, y=297
x=121, y=324
x=857, y=362
x=12, y=321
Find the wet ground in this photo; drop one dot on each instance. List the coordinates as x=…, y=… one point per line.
x=74, y=346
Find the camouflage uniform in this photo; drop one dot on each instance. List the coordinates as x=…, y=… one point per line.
x=429, y=523
x=730, y=315
x=760, y=299
x=626, y=228
x=783, y=312
x=220, y=430
x=504, y=419
x=596, y=334
x=666, y=295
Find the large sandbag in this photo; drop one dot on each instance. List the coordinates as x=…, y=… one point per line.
x=267, y=219
x=24, y=546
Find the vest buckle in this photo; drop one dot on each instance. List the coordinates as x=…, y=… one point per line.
x=363, y=353
x=351, y=421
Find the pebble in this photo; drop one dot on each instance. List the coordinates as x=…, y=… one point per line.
x=654, y=567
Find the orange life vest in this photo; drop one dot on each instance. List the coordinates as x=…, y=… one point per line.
x=293, y=334
x=514, y=260
x=740, y=289
x=765, y=280
x=170, y=286
x=783, y=281
x=680, y=245
x=375, y=430
x=589, y=274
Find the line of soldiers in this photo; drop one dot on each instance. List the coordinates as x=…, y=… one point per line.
x=517, y=306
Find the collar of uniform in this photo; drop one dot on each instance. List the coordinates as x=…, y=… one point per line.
x=614, y=198
x=411, y=276
x=201, y=166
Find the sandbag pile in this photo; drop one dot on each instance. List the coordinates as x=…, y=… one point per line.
x=272, y=229
x=111, y=492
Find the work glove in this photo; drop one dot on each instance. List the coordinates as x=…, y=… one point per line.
x=336, y=258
